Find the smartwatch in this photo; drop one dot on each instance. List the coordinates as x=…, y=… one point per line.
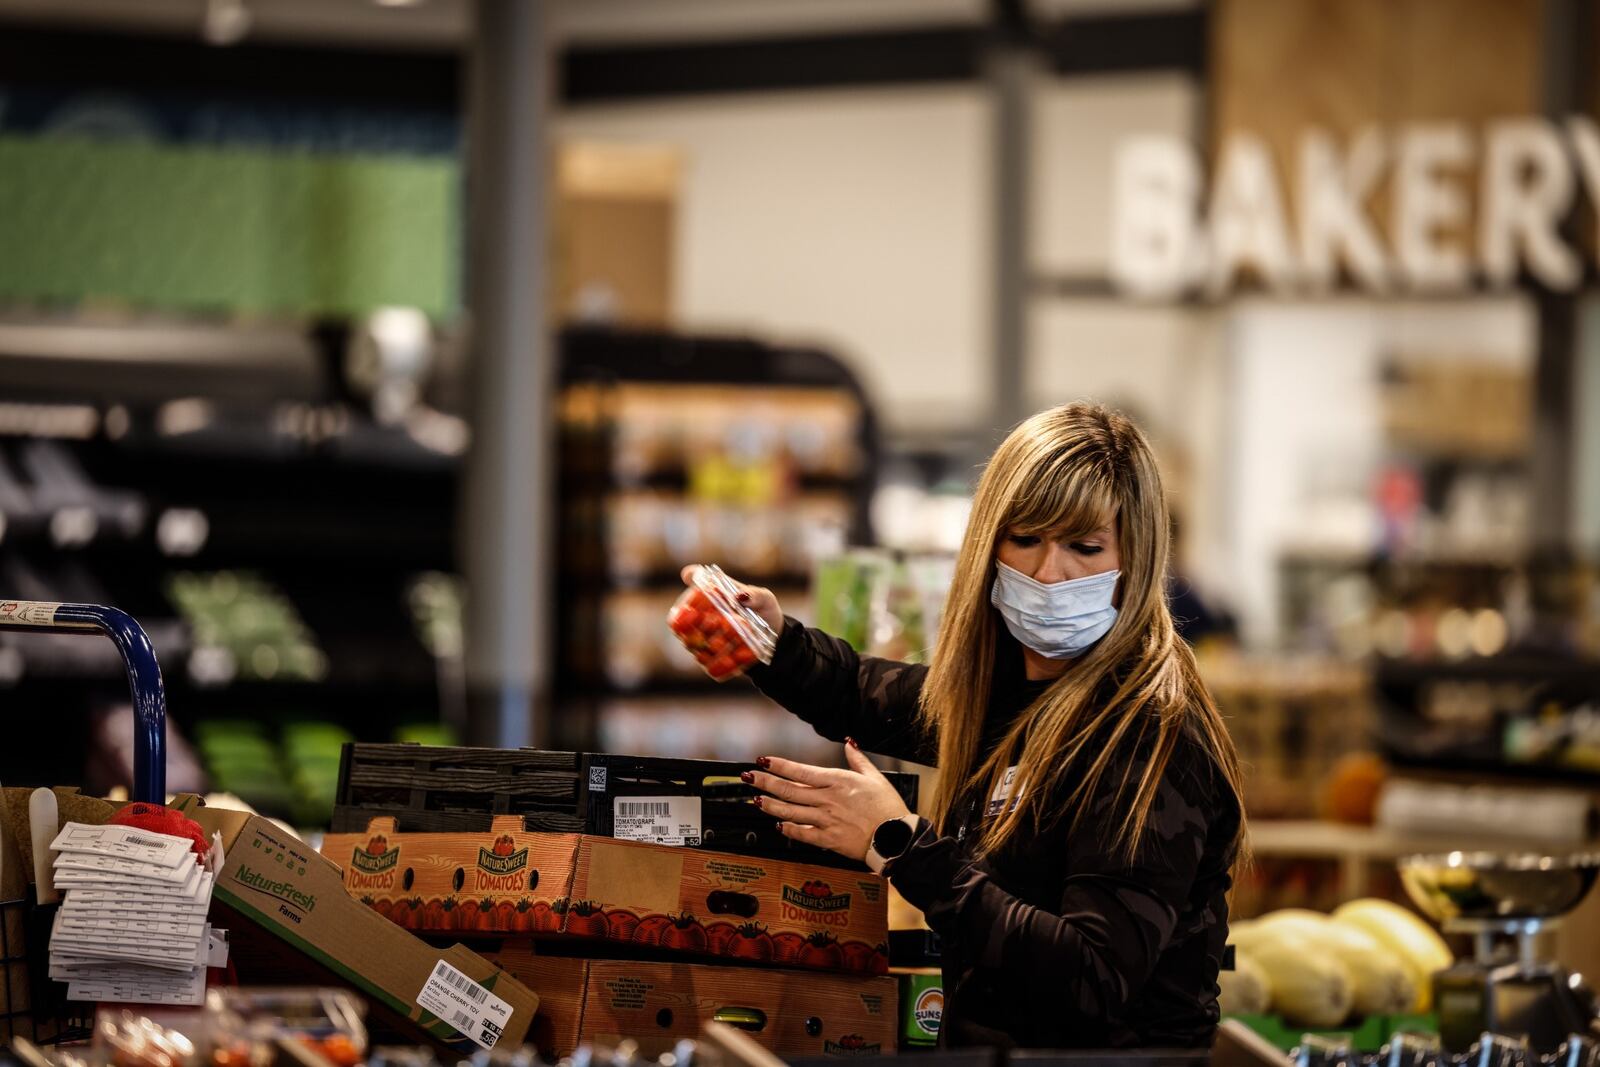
x=889, y=840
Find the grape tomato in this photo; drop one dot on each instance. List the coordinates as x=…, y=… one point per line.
x=724, y=635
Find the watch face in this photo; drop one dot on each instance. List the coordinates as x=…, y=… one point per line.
x=891, y=838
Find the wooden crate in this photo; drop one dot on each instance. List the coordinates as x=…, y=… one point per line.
x=458, y=790
x=461, y=790
x=1292, y=720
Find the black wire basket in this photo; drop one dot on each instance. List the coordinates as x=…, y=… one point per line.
x=32, y=1006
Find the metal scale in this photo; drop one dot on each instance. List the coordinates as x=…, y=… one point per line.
x=1504, y=902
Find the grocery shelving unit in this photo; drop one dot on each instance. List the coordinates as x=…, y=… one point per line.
x=211, y=451
x=648, y=481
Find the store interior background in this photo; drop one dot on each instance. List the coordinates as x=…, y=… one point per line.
x=804, y=261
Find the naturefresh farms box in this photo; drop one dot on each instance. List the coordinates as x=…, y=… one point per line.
x=793, y=1013
x=290, y=920
x=690, y=901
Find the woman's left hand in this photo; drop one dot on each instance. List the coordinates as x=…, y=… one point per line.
x=831, y=808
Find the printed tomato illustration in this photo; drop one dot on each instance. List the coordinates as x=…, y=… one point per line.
x=858, y=956
x=648, y=932
x=505, y=915
x=718, y=935
x=786, y=947
x=621, y=924
x=378, y=845
x=585, y=919
x=851, y=1042
x=543, y=918
x=447, y=914
x=821, y=951
x=504, y=845
x=751, y=942
x=522, y=915
x=379, y=906
x=684, y=935
x=815, y=888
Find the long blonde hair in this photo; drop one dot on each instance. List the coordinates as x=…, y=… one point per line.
x=1072, y=469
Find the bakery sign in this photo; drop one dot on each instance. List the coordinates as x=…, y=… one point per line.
x=1462, y=203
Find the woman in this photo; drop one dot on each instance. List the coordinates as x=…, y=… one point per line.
x=1081, y=842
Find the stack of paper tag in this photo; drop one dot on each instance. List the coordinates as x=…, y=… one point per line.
x=132, y=925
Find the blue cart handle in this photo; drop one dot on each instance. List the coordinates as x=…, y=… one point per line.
x=144, y=677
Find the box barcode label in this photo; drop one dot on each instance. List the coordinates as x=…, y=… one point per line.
x=461, y=982
x=662, y=820
x=643, y=807
x=464, y=1004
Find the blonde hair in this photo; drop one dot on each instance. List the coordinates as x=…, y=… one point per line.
x=1070, y=471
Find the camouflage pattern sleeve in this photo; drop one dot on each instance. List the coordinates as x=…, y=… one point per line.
x=1090, y=956
x=842, y=694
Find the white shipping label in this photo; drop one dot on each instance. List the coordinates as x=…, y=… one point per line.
x=124, y=841
x=216, y=948
x=133, y=986
x=464, y=1004
x=663, y=820
x=1007, y=790
x=124, y=868
x=30, y=612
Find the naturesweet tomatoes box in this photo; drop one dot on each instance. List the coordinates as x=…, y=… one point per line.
x=679, y=900
x=508, y=880
x=792, y=1013
x=714, y=903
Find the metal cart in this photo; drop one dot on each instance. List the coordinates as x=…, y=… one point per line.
x=34, y=1007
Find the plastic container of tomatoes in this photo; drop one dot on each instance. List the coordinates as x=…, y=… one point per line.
x=725, y=636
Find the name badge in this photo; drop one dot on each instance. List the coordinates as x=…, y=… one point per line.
x=1003, y=798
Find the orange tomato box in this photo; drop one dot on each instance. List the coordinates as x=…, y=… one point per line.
x=505, y=881
x=792, y=1013
x=681, y=900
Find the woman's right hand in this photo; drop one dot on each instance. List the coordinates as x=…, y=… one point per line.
x=757, y=599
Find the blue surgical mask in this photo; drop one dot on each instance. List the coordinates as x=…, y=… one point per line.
x=1059, y=620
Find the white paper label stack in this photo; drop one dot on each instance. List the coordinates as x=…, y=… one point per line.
x=132, y=925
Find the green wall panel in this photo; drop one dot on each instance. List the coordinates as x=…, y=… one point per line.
x=227, y=229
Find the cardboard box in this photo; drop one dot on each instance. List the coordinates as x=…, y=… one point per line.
x=679, y=900
x=290, y=920
x=793, y=1013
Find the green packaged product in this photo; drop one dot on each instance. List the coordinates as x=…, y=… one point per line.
x=921, y=1008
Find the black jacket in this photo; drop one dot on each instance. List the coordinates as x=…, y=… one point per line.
x=1056, y=942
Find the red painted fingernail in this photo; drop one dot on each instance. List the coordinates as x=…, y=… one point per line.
x=851, y=742
x=763, y=762
x=756, y=801
x=747, y=777
x=744, y=598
